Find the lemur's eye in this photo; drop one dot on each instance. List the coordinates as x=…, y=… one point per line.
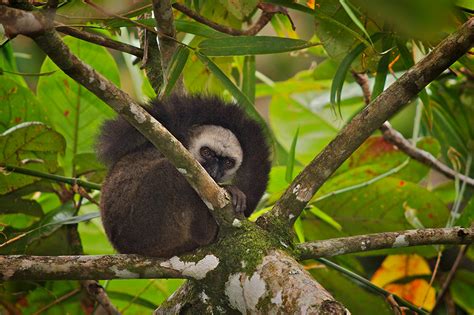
x=229, y=163
x=206, y=152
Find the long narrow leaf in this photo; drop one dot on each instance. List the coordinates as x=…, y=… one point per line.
x=338, y=81
x=175, y=69
x=382, y=68
x=248, y=78
x=291, y=158
x=354, y=18
x=322, y=16
x=251, y=45
x=239, y=96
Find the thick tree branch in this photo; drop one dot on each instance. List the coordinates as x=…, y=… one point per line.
x=49, y=41
x=100, y=40
x=386, y=240
x=393, y=136
x=23, y=267
x=298, y=194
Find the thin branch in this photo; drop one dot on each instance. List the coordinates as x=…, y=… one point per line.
x=444, y=289
x=386, y=240
x=396, y=138
x=393, y=136
x=300, y=192
x=97, y=292
x=52, y=177
x=78, y=267
x=100, y=40
x=268, y=11
x=49, y=41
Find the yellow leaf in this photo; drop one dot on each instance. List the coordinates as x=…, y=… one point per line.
x=397, y=267
x=415, y=292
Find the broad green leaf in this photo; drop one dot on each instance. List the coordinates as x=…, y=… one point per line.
x=44, y=228
x=74, y=111
x=89, y=167
x=126, y=297
x=250, y=45
x=18, y=104
x=48, y=293
x=379, y=207
x=32, y=145
x=8, y=62
x=240, y=8
x=345, y=4
x=13, y=204
x=291, y=86
x=286, y=115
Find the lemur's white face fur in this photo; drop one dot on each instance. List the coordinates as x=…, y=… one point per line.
x=218, y=151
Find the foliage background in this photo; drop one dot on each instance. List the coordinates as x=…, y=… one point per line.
x=49, y=123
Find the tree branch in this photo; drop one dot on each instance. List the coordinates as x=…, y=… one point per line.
x=53, y=177
x=298, y=194
x=98, y=294
x=49, y=41
x=78, y=267
x=393, y=136
x=396, y=138
x=100, y=40
x=386, y=240
x=268, y=11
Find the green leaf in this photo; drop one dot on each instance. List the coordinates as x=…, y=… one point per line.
x=240, y=97
x=18, y=104
x=339, y=78
x=250, y=45
x=180, y=57
x=248, y=78
x=13, y=204
x=8, y=62
x=324, y=217
x=132, y=298
x=291, y=158
x=298, y=226
x=353, y=17
x=74, y=111
x=32, y=145
x=382, y=68
x=352, y=295
x=287, y=115
x=379, y=207
x=462, y=290
x=49, y=224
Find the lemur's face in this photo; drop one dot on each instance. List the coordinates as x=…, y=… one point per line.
x=218, y=151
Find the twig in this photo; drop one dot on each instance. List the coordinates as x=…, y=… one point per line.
x=101, y=40
x=444, y=289
x=52, y=177
x=152, y=59
x=302, y=189
x=57, y=301
x=396, y=138
x=268, y=11
x=97, y=292
x=386, y=240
